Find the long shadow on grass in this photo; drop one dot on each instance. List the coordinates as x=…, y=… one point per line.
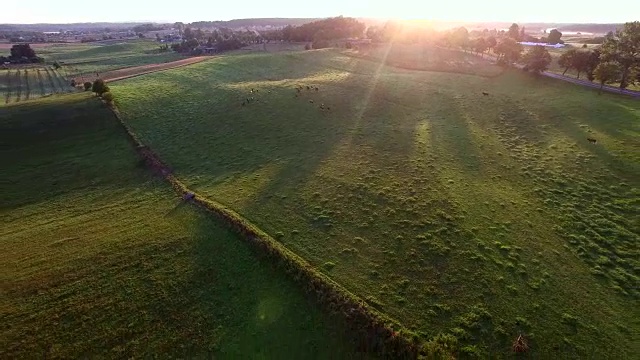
x=451, y=134
x=52, y=149
x=263, y=313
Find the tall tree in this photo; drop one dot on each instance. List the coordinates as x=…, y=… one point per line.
x=592, y=63
x=566, y=60
x=623, y=47
x=180, y=27
x=492, y=42
x=607, y=72
x=514, y=32
x=554, y=37
x=460, y=37
x=188, y=33
x=581, y=62
x=480, y=45
x=22, y=50
x=537, y=59
x=508, y=51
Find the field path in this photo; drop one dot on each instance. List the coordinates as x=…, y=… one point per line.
x=125, y=73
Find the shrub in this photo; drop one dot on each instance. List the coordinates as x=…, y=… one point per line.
x=99, y=87
x=307, y=47
x=73, y=83
x=87, y=86
x=108, y=97
x=349, y=45
x=320, y=44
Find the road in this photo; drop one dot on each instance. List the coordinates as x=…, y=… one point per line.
x=590, y=84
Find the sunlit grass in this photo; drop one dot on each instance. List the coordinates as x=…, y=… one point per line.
x=100, y=259
x=481, y=217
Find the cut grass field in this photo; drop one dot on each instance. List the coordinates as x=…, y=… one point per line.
x=82, y=62
x=479, y=217
x=100, y=259
x=28, y=83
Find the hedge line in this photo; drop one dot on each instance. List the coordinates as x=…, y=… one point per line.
x=374, y=331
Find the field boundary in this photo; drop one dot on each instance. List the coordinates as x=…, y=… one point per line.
x=374, y=331
x=152, y=68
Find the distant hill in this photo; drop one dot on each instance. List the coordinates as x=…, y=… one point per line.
x=68, y=27
x=238, y=23
x=281, y=22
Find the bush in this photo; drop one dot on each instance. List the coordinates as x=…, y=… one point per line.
x=99, y=87
x=73, y=83
x=349, y=45
x=108, y=97
x=87, y=86
x=307, y=47
x=320, y=44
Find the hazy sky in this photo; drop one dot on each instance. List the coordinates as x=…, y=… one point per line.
x=58, y=11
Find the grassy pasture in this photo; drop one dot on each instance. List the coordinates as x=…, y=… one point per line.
x=88, y=59
x=100, y=259
x=432, y=58
x=481, y=217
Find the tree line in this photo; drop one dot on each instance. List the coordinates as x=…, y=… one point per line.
x=617, y=60
x=319, y=33
x=222, y=39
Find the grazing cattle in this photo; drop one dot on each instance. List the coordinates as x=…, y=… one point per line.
x=485, y=93
x=311, y=101
x=592, y=140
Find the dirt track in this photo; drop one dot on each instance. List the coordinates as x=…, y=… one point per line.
x=126, y=73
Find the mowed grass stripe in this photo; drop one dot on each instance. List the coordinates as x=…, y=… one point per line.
x=101, y=259
x=481, y=217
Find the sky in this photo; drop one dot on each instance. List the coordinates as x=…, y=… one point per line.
x=558, y=11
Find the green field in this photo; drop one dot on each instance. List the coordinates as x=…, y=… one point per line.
x=88, y=59
x=28, y=83
x=481, y=217
x=100, y=259
x=430, y=58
